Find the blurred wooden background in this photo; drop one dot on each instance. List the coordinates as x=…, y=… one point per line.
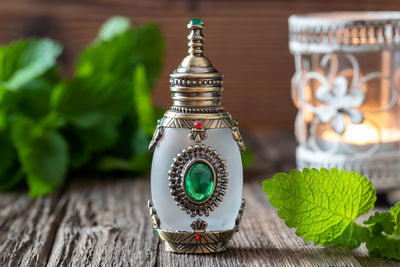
x=246, y=40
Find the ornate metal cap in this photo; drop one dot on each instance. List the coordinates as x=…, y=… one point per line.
x=344, y=31
x=196, y=88
x=196, y=83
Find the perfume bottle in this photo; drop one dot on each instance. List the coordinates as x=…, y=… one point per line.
x=196, y=175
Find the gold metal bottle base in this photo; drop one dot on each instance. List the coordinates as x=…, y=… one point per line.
x=199, y=241
x=196, y=242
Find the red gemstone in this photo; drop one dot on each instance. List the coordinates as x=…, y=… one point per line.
x=198, y=125
x=198, y=237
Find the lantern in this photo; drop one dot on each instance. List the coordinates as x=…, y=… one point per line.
x=346, y=90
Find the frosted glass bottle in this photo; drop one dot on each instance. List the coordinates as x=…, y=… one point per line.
x=196, y=176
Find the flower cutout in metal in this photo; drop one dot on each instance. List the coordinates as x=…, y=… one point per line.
x=339, y=97
x=340, y=104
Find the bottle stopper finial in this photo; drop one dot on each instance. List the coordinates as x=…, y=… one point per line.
x=196, y=37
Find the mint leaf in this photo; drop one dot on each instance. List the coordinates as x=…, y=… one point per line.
x=395, y=212
x=7, y=152
x=42, y=152
x=381, y=222
x=142, y=100
x=247, y=157
x=31, y=99
x=384, y=238
x=121, y=54
x=139, y=159
x=9, y=175
x=148, y=49
x=113, y=27
x=104, y=112
x=87, y=102
x=322, y=205
x=24, y=61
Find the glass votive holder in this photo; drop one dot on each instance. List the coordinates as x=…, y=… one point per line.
x=346, y=89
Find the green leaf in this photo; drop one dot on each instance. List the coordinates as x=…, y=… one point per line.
x=381, y=221
x=384, y=238
x=247, y=157
x=33, y=98
x=142, y=100
x=23, y=61
x=9, y=167
x=395, y=212
x=140, y=157
x=113, y=27
x=43, y=154
x=86, y=141
x=322, y=205
x=87, y=102
x=148, y=48
x=11, y=178
x=7, y=152
x=121, y=54
x=100, y=136
x=138, y=163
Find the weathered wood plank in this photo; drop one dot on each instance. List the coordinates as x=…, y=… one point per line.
x=106, y=224
x=27, y=228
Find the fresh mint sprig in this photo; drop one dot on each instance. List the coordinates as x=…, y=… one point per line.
x=324, y=206
x=91, y=121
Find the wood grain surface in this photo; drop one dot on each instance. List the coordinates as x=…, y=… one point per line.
x=105, y=222
x=246, y=40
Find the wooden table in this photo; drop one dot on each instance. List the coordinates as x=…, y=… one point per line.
x=105, y=222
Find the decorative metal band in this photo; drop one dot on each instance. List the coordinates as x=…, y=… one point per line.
x=186, y=242
x=188, y=120
x=197, y=110
x=182, y=163
x=196, y=82
x=173, y=119
x=199, y=241
x=344, y=31
x=382, y=169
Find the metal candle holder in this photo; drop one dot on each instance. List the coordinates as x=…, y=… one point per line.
x=346, y=89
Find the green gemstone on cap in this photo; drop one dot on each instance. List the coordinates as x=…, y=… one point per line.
x=199, y=182
x=196, y=22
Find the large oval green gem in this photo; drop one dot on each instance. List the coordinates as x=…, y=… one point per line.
x=199, y=181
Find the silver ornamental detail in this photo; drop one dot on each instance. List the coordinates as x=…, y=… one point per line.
x=339, y=98
x=346, y=31
x=198, y=153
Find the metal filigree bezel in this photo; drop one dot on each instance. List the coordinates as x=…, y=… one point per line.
x=177, y=179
